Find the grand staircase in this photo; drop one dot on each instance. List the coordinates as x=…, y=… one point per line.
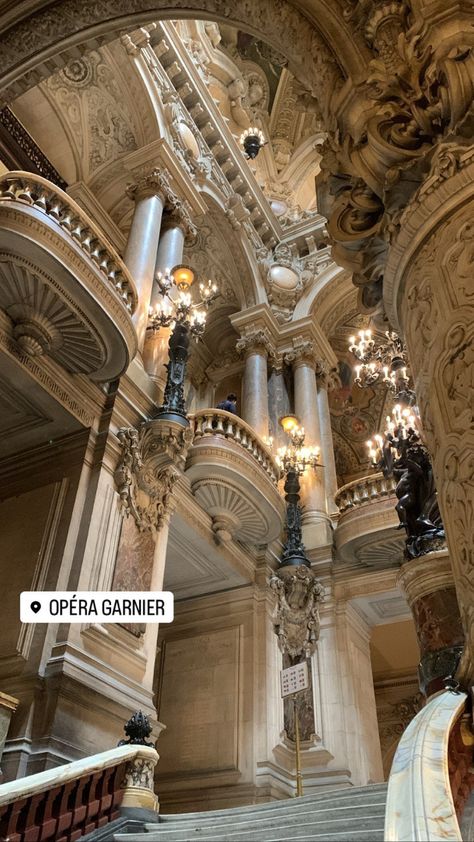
x=345, y=815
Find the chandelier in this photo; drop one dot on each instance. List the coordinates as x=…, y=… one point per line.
x=181, y=310
x=185, y=319
x=402, y=430
x=295, y=456
x=384, y=363
x=401, y=453
x=252, y=141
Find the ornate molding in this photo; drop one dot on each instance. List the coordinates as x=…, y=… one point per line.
x=150, y=464
x=296, y=616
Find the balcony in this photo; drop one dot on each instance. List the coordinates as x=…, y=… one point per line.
x=234, y=477
x=367, y=533
x=65, y=291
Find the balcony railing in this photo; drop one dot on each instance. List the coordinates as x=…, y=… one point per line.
x=67, y=292
x=29, y=189
x=234, y=477
x=218, y=422
x=366, y=490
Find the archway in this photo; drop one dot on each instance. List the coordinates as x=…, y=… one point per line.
x=29, y=42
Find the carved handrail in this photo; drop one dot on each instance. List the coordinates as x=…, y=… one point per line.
x=70, y=801
x=359, y=492
x=218, y=422
x=420, y=802
x=39, y=193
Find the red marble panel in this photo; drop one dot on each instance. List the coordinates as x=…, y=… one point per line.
x=437, y=621
x=134, y=565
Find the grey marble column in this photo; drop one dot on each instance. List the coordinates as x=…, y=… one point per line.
x=279, y=404
x=315, y=520
x=254, y=386
x=327, y=445
x=170, y=254
x=141, y=250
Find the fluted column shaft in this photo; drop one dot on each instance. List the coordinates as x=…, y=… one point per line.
x=140, y=254
x=327, y=446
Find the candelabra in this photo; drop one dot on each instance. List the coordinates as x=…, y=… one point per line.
x=293, y=460
x=186, y=320
x=252, y=141
x=384, y=363
x=400, y=452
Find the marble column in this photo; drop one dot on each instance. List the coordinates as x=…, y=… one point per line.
x=142, y=245
x=255, y=348
x=429, y=298
x=428, y=584
x=176, y=226
x=315, y=521
x=327, y=444
x=279, y=404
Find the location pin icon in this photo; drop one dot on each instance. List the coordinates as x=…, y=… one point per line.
x=35, y=606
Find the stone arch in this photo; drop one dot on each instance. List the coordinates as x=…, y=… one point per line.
x=31, y=43
x=235, y=266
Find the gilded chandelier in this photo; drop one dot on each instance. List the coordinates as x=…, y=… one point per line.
x=169, y=312
x=295, y=456
x=384, y=363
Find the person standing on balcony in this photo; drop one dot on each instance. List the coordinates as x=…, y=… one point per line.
x=229, y=404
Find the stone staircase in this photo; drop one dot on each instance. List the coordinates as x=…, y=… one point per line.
x=344, y=815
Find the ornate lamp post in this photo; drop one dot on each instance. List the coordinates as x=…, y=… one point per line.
x=400, y=452
x=252, y=141
x=293, y=460
x=186, y=320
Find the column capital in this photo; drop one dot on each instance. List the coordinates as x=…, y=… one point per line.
x=177, y=215
x=150, y=182
x=255, y=341
x=304, y=352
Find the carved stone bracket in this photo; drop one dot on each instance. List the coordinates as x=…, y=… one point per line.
x=296, y=615
x=152, y=457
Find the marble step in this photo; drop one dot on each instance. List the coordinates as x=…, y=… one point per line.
x=349, y=814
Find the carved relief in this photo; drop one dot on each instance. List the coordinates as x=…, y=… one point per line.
x=89, y=92
x=148, y=470
x=296, y=616
x=440, y=341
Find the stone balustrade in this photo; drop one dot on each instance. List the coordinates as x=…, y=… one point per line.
x=420, y=798
x=218, y=422
x=29, y=189
x=68, y=802
x=368, y=530
x=366, y=490
x=234, y=477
